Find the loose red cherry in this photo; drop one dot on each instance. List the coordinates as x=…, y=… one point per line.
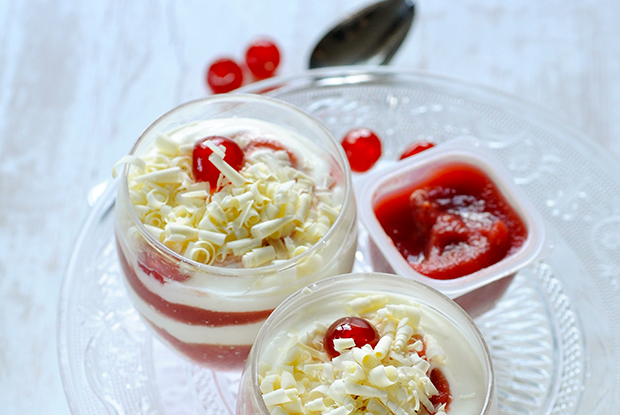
x=362, y=147
x=204, y=170
x=416, y=148
x=262, y=58
x=356, y=328
x=224, y=75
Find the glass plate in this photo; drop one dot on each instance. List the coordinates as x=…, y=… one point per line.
x=554, y=337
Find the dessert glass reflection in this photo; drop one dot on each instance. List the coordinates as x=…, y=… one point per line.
x=317, y=353
x=225, y=207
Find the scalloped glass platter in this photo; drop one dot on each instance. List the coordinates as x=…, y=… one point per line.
x=554, y=337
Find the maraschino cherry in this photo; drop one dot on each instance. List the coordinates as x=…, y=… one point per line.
x=262, y=58
x=356, y=328
x=224, y=75
x=363, y=149
x=204, y=170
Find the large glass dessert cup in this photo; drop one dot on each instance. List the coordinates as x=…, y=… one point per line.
x=211, y=312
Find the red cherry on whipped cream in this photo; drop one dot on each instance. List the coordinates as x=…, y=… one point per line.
x=363, y=149
x=203, y=169
x=224, y=75
x=356, y=328
x=262, y=58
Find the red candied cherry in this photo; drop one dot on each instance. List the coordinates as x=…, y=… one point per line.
x=262, y=58
x=415, y=148
x=362, y=147
x=356, y=328
x=203, y=169
x=224, y=75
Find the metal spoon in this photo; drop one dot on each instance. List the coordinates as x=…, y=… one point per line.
x=370, y=36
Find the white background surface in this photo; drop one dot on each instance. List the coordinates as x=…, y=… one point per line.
x=79, y=81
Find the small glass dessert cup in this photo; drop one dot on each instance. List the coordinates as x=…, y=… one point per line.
x=205, y=262
x=426, y=355
x=453, y=218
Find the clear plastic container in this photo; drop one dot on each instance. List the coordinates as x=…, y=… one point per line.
x=468, y=366
x=209, y=313
x=477, y=291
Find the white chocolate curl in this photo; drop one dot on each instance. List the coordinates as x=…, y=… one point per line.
x=383, y=376
x=353, y=371
x=129, y=159
x=365, y=356
x=231, y=174
x=401, y=311
x=280, y=396
x=316, y=405
x=342, y=345
x=258, y=256
x=403, y=334
x=383, y=346
x=363, y=305
x=268, y=228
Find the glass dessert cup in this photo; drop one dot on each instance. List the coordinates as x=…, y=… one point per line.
x=210, y=313
x=468, y=366
x=469, y=167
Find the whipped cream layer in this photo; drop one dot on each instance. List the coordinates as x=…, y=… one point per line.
x=297, y=376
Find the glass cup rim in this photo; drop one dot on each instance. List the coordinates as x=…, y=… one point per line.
x=324, y=284
x=241, y=272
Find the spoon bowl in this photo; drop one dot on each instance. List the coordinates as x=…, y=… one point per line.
x=369, y=37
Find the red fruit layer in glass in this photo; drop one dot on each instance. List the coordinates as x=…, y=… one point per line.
x=443, y=387
x=185, y=313
x=437, y=377
x=215, y=356
x=452, y=224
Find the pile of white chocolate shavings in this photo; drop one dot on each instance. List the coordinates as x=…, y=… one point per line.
x=266, y=212
x=389, y=379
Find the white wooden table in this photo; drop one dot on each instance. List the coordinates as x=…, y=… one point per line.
x=79, y=81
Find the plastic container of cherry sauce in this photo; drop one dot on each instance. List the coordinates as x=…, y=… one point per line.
x=453, y=218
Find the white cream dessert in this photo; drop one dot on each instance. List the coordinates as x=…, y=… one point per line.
x=281, y=200
x=419, y=362
x=279, y=204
